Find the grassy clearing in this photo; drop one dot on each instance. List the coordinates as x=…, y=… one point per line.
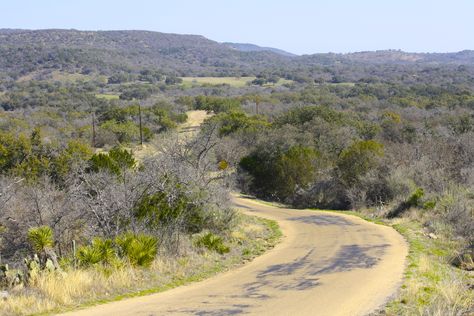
x=71, y=77
x=57, y=292
x=62, y=77
x=236, y=82
x=232, y=81
x=342, y=84
x=107, y=96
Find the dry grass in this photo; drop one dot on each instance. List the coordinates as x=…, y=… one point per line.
x=237, y=82
x=61, y=76
x=73, y=288
x=232, y=81
x=431, y=286
x=52, y=290
x=107, y=96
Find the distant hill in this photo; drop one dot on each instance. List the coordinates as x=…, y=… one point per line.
x=25, y=51
x=33, y=53
x=394, y=57
x=245, y=47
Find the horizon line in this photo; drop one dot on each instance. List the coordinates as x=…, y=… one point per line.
x=243, y=43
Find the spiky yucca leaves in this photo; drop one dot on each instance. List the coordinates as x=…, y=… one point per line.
x=41, y=238
x=212, y=242
x=99, y=251
x=139, y=249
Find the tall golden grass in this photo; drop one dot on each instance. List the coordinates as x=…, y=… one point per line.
x=52, y=290
x=74, y=287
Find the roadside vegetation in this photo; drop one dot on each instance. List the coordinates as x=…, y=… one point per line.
x=386, y=135
x=100, y=282
x=410, y=171
x=434, y=284
x=110, y=226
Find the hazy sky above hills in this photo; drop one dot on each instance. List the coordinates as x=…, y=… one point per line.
x=299, y=26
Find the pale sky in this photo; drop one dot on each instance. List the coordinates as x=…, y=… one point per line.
x=298, y=26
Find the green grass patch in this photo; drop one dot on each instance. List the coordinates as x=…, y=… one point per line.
x=342, y=84
x=236, y=82
x=107, y=96
x=231, y=81
x=431, y=285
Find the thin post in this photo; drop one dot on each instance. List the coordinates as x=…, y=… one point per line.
x=140, y=122
x=257, y=102
x=93, y=129
x=74, y=252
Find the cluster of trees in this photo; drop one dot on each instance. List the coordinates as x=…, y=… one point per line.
x=77, y=110
x=113, y=200
x=210, y=103
x=28, y=156
x=121, y=124
x=146, y=75
x=263, y=79
x=36, y=94
x=392, y=160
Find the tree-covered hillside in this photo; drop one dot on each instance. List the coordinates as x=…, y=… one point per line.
x=106, y=51
x=36, y=52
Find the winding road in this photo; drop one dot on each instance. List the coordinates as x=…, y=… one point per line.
x=327, y=264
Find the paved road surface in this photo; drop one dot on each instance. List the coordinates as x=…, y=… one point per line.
x=327, y=264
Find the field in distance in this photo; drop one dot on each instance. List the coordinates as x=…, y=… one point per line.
x=232, y=81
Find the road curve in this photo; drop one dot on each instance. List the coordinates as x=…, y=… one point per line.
x=327, y=264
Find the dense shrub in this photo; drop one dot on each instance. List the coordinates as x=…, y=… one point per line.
x=99, y=251
x=355, y=161
x=234, y=122
x=116, y=161
x=414, y=200
x=216, y=104
x=212, y=242
x=139, y=250
x=278, y=173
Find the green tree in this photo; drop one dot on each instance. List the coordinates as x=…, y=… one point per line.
x=235, y=121
x=358, y=159
x=75, y=152
x=116, y=161
x=277, y=173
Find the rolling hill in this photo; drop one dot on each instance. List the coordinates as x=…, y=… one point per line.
x=25, y=51
x=36, y=52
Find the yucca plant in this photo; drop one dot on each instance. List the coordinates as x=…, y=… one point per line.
x=41, y=238
x=212, y=242
x=99, y=251
x=139, y=249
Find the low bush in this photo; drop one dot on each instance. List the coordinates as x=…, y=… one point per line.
x=100, y=251
x=212, y=242
x=140, y=250
x=41, y=238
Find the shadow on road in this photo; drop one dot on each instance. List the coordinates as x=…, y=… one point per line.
x=323, y=220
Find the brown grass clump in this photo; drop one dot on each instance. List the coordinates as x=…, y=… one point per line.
x=58, y=291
